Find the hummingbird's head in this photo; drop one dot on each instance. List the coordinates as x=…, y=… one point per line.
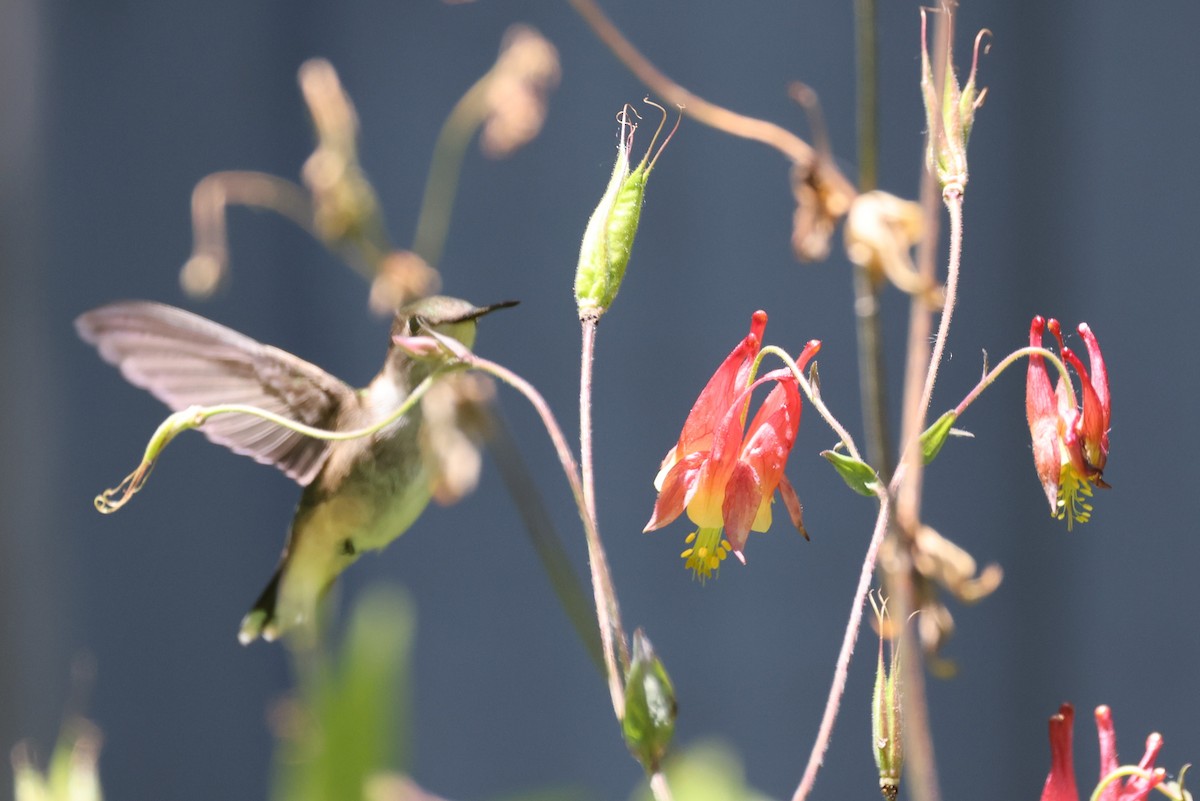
x=451, y=317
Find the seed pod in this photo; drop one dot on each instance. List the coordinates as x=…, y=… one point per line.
x=608, y=238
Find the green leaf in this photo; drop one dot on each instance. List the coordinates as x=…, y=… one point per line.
x=857, y=474
x=934, y=437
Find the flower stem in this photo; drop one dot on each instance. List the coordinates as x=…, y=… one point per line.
x=587, y=357
x=1004, y=364
x=814, y=397
x=545, y=540
x=920, y=373
x=842, y=669
x=659, y=786
x=612, y=635
x=954, y=207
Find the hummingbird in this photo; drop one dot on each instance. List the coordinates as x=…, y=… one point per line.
x=359, y=494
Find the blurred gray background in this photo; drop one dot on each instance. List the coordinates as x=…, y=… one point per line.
x=1082, y=205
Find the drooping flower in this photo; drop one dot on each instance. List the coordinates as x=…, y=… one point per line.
x=1070, y=443
x=724, y=473
x=1060, y=782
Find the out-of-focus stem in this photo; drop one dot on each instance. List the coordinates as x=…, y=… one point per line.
x=437, y=202
x=701, y=110
x=918, y=739
x=659, y=786
x=872, y=374
x=866, y=52
x=563, y=579
x=211, y=199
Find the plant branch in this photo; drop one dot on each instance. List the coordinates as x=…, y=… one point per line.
x=813, y=395
x=872, y=374
x=612, y=634
x=701, y=110
x=898, y=576
x=437, y=202
x=842, y=669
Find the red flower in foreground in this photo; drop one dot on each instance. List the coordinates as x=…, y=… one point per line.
x=1060, y=783
x=723, y=473
x=1070, y=444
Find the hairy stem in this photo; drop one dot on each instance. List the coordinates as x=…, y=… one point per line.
x=546, y=543
x=1007, y=362
x=587, y=356
x=814, y=397
x=898, y=578
x=612, y=634
x=842, y=669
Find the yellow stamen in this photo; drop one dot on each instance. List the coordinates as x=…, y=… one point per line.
x=704, y=559
x=1073, y=490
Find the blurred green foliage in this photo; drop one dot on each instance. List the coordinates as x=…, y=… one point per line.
x=72, y=774
x=350, y=721
x=707, y=771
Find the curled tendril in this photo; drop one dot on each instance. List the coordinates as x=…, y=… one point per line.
x=113, y=499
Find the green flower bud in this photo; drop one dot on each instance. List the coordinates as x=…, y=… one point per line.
x=946, y=155
x=649, y=721
x=885, y=709
x=608, y=238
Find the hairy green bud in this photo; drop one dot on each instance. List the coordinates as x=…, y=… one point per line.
x=608, y=238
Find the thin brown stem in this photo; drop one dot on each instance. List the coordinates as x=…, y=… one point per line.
x=872, y=374
x=587, y=354
x=701, y=110
x=918, y=739
x=607, y=612
x=842, y=669
x=954, y=207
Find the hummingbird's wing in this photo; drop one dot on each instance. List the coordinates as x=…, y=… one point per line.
x=184, y=359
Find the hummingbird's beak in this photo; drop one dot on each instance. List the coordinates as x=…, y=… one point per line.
x=479, y=311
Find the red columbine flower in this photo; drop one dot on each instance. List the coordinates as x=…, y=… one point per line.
x=723, y=474
x=1070, y=444
x=1060, y=783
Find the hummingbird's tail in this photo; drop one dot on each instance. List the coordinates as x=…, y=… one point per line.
x=260, y=620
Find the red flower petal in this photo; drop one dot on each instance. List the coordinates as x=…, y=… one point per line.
x=772, y=434
x=727, y=381
x=678, y=485
x=1108, y=751
x=742, y=498
x=1041, y=411
x=1060, y=783
x=792, y=502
